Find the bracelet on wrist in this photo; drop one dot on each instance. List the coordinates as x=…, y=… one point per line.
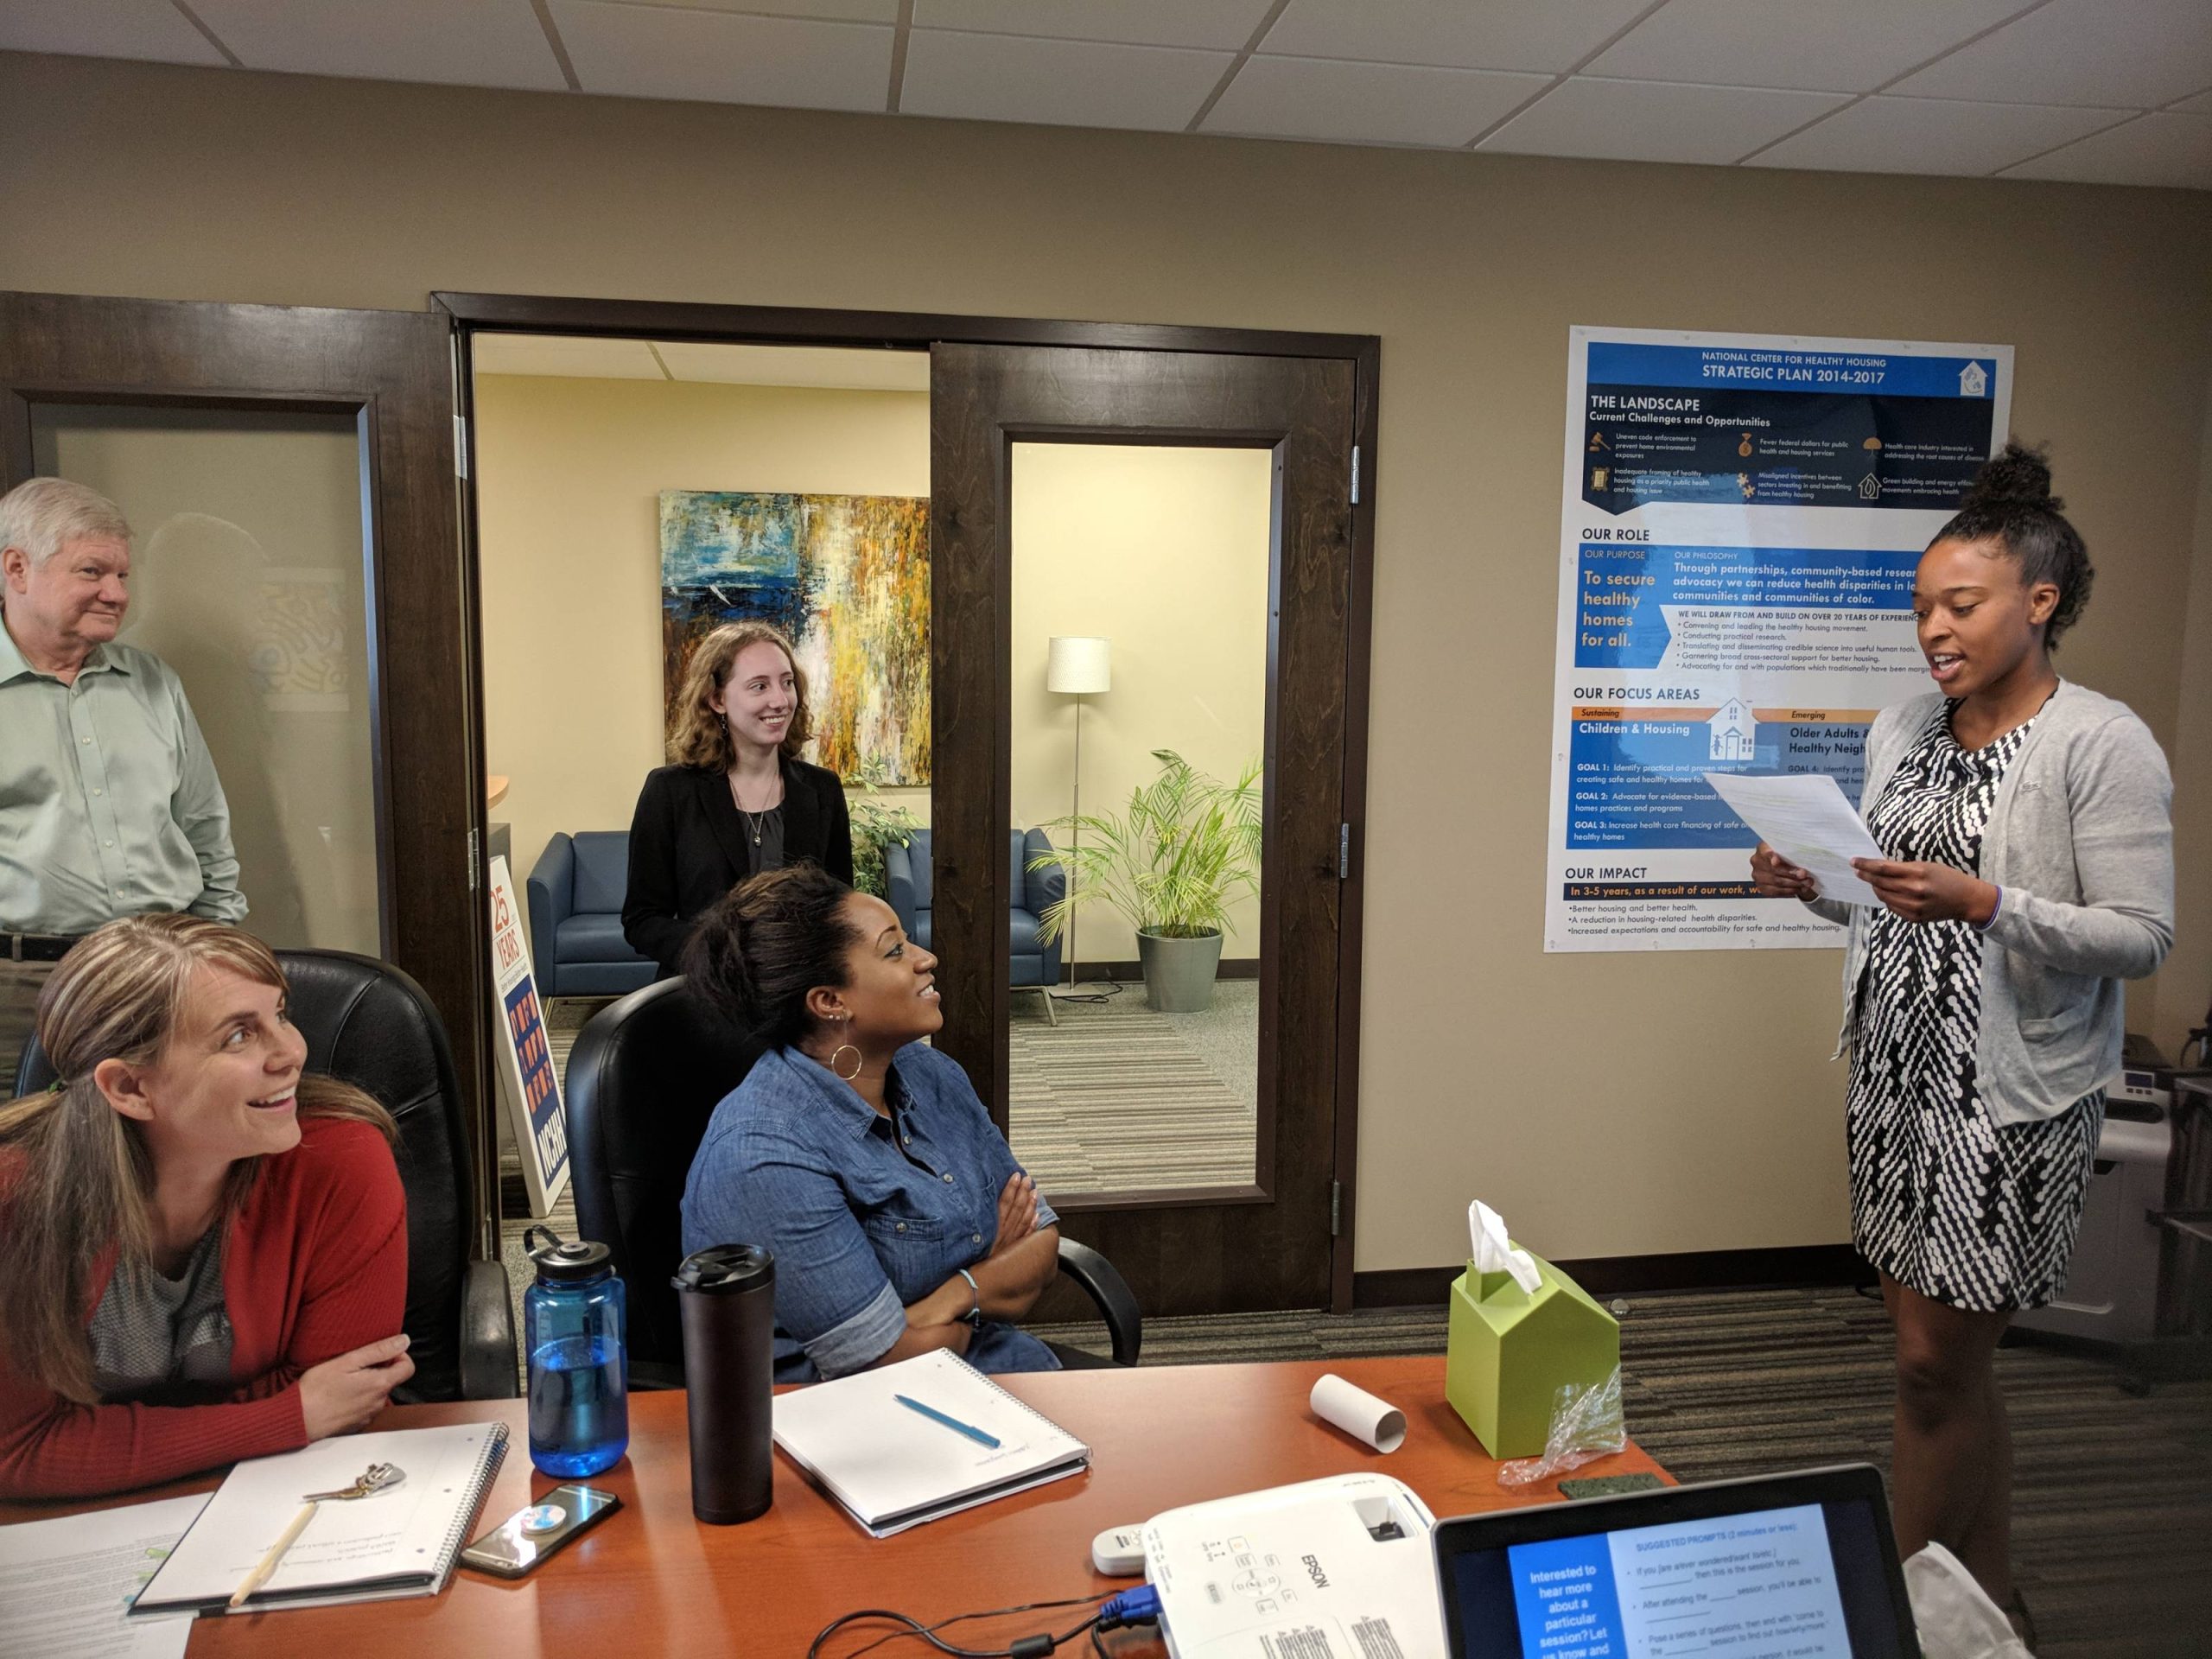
x=974, y=1314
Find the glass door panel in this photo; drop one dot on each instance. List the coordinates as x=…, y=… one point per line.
x=248, y=578
x=1134, y=1063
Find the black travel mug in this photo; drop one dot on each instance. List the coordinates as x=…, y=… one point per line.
x=728, y=1293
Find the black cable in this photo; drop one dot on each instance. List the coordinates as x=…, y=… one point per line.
x=1113, y=989
x=961, y=1618
x=915, y=1629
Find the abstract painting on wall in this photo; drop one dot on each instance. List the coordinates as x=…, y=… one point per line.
x=846, y=577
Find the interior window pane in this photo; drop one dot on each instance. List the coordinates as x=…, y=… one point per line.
x=1135, y=1078
x=247, y=578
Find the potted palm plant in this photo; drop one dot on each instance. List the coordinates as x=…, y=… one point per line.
x=1170, y=864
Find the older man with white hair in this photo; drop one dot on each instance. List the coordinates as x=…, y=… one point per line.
x=109, y=802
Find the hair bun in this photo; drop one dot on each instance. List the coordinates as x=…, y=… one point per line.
x=2016, y=475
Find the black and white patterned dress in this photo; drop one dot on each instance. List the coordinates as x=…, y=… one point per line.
x=1943, y=1199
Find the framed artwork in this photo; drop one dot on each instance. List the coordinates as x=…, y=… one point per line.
x=846, y=577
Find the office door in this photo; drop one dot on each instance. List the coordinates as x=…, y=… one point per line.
x=1190, y=1132
x=290, y=475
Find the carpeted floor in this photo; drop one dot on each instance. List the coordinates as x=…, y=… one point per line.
x=1116, y=1097
x=2113, y=1504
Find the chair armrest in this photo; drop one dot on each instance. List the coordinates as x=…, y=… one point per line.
x=899, y=883
x=1106, y=1287
x=489, y=1368
x=552, y=901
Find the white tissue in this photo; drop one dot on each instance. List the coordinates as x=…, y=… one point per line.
x=1494, y=1251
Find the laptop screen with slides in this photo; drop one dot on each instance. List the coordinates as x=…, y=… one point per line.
x=1787, y=1567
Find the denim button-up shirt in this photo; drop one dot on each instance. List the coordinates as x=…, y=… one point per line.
x=863, y=1214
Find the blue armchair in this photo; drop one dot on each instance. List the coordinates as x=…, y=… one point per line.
x=576, y=889
x=1036, y=966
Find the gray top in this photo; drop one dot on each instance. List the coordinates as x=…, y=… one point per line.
x=764, y=839
x=2081, y=840
x=109, y=802
x=151, y=1333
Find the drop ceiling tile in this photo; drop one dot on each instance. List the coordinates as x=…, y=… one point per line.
x=1927, y=135
x=1367, y=103
x=1221, y=25
x=2119, y=53
x=834, y=11
x=153, y=30
x=466, y=42
x=1065, y=82
x=1813, y=44
x=2167, y=150
x=790, y=62
x=1656, y=121
x=833, y=368
x=1544, y=36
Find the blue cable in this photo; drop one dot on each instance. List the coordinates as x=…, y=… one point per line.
x=1137, y=1606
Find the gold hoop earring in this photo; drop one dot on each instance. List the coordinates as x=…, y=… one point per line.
x=845, y=1048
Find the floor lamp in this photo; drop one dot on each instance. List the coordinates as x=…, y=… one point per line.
x=1078, y=667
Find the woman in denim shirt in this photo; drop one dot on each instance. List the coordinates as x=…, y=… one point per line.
x=860, y=1157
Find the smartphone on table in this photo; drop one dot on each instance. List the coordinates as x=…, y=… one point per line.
x=528, y=1536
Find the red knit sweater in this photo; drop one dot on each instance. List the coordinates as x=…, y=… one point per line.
x=315, y=1265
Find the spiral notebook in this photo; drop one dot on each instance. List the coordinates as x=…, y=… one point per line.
x=393, y=1543
x=894, y=1467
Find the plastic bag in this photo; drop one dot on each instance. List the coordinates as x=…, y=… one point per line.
x=1956, y=1618
x=1586, y=1423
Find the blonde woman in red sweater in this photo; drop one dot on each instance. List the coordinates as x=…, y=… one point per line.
x=203, y=1251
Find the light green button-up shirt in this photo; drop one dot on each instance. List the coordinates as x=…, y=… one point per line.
x=109, y=802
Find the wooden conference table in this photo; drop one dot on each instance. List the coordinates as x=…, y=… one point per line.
x=650, y=1579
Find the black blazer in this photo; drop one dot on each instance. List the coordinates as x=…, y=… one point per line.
x=688, y=848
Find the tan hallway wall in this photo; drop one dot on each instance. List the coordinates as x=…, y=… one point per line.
x=1610, y=1104
x=568, y=478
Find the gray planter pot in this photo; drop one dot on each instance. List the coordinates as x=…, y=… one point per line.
x=1178, y=973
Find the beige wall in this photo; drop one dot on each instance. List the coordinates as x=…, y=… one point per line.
x=568, y=479
x=1164, y=553
x=1608, y=1104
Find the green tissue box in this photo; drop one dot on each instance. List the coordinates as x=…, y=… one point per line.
x=1509, y=1351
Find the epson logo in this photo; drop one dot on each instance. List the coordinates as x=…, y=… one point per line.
x=1313, y=1571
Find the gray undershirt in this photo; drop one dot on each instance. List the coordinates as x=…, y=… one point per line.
x=151, y=1334
x=768, y=855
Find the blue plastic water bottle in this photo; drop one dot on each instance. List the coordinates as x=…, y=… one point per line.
x=573, y=1318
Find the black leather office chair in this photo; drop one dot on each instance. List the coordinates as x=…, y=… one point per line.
x=368, y=1024
x=643, y=1078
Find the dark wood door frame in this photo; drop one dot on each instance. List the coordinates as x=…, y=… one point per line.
x=471, y=314
x=390, y=371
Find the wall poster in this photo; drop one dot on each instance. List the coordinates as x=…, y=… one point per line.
x=1739, y=527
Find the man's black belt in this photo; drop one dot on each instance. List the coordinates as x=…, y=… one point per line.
x=35, y=947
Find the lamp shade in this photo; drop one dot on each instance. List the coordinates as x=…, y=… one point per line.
x=1078, y=665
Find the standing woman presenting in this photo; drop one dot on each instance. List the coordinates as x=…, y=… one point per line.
x=738, y=800
x=2030, y=870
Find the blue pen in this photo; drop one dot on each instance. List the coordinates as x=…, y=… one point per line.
x=936, y=1416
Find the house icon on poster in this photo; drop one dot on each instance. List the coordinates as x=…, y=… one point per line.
x=1974, y=381
x=1870, y=488
x=1733, y=724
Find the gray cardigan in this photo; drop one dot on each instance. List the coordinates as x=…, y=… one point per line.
x=2081, y=840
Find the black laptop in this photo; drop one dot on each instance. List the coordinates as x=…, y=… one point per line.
x=1783, y=1566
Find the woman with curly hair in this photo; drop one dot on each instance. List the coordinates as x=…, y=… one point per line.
x=738, y=799
x=2026, y=826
